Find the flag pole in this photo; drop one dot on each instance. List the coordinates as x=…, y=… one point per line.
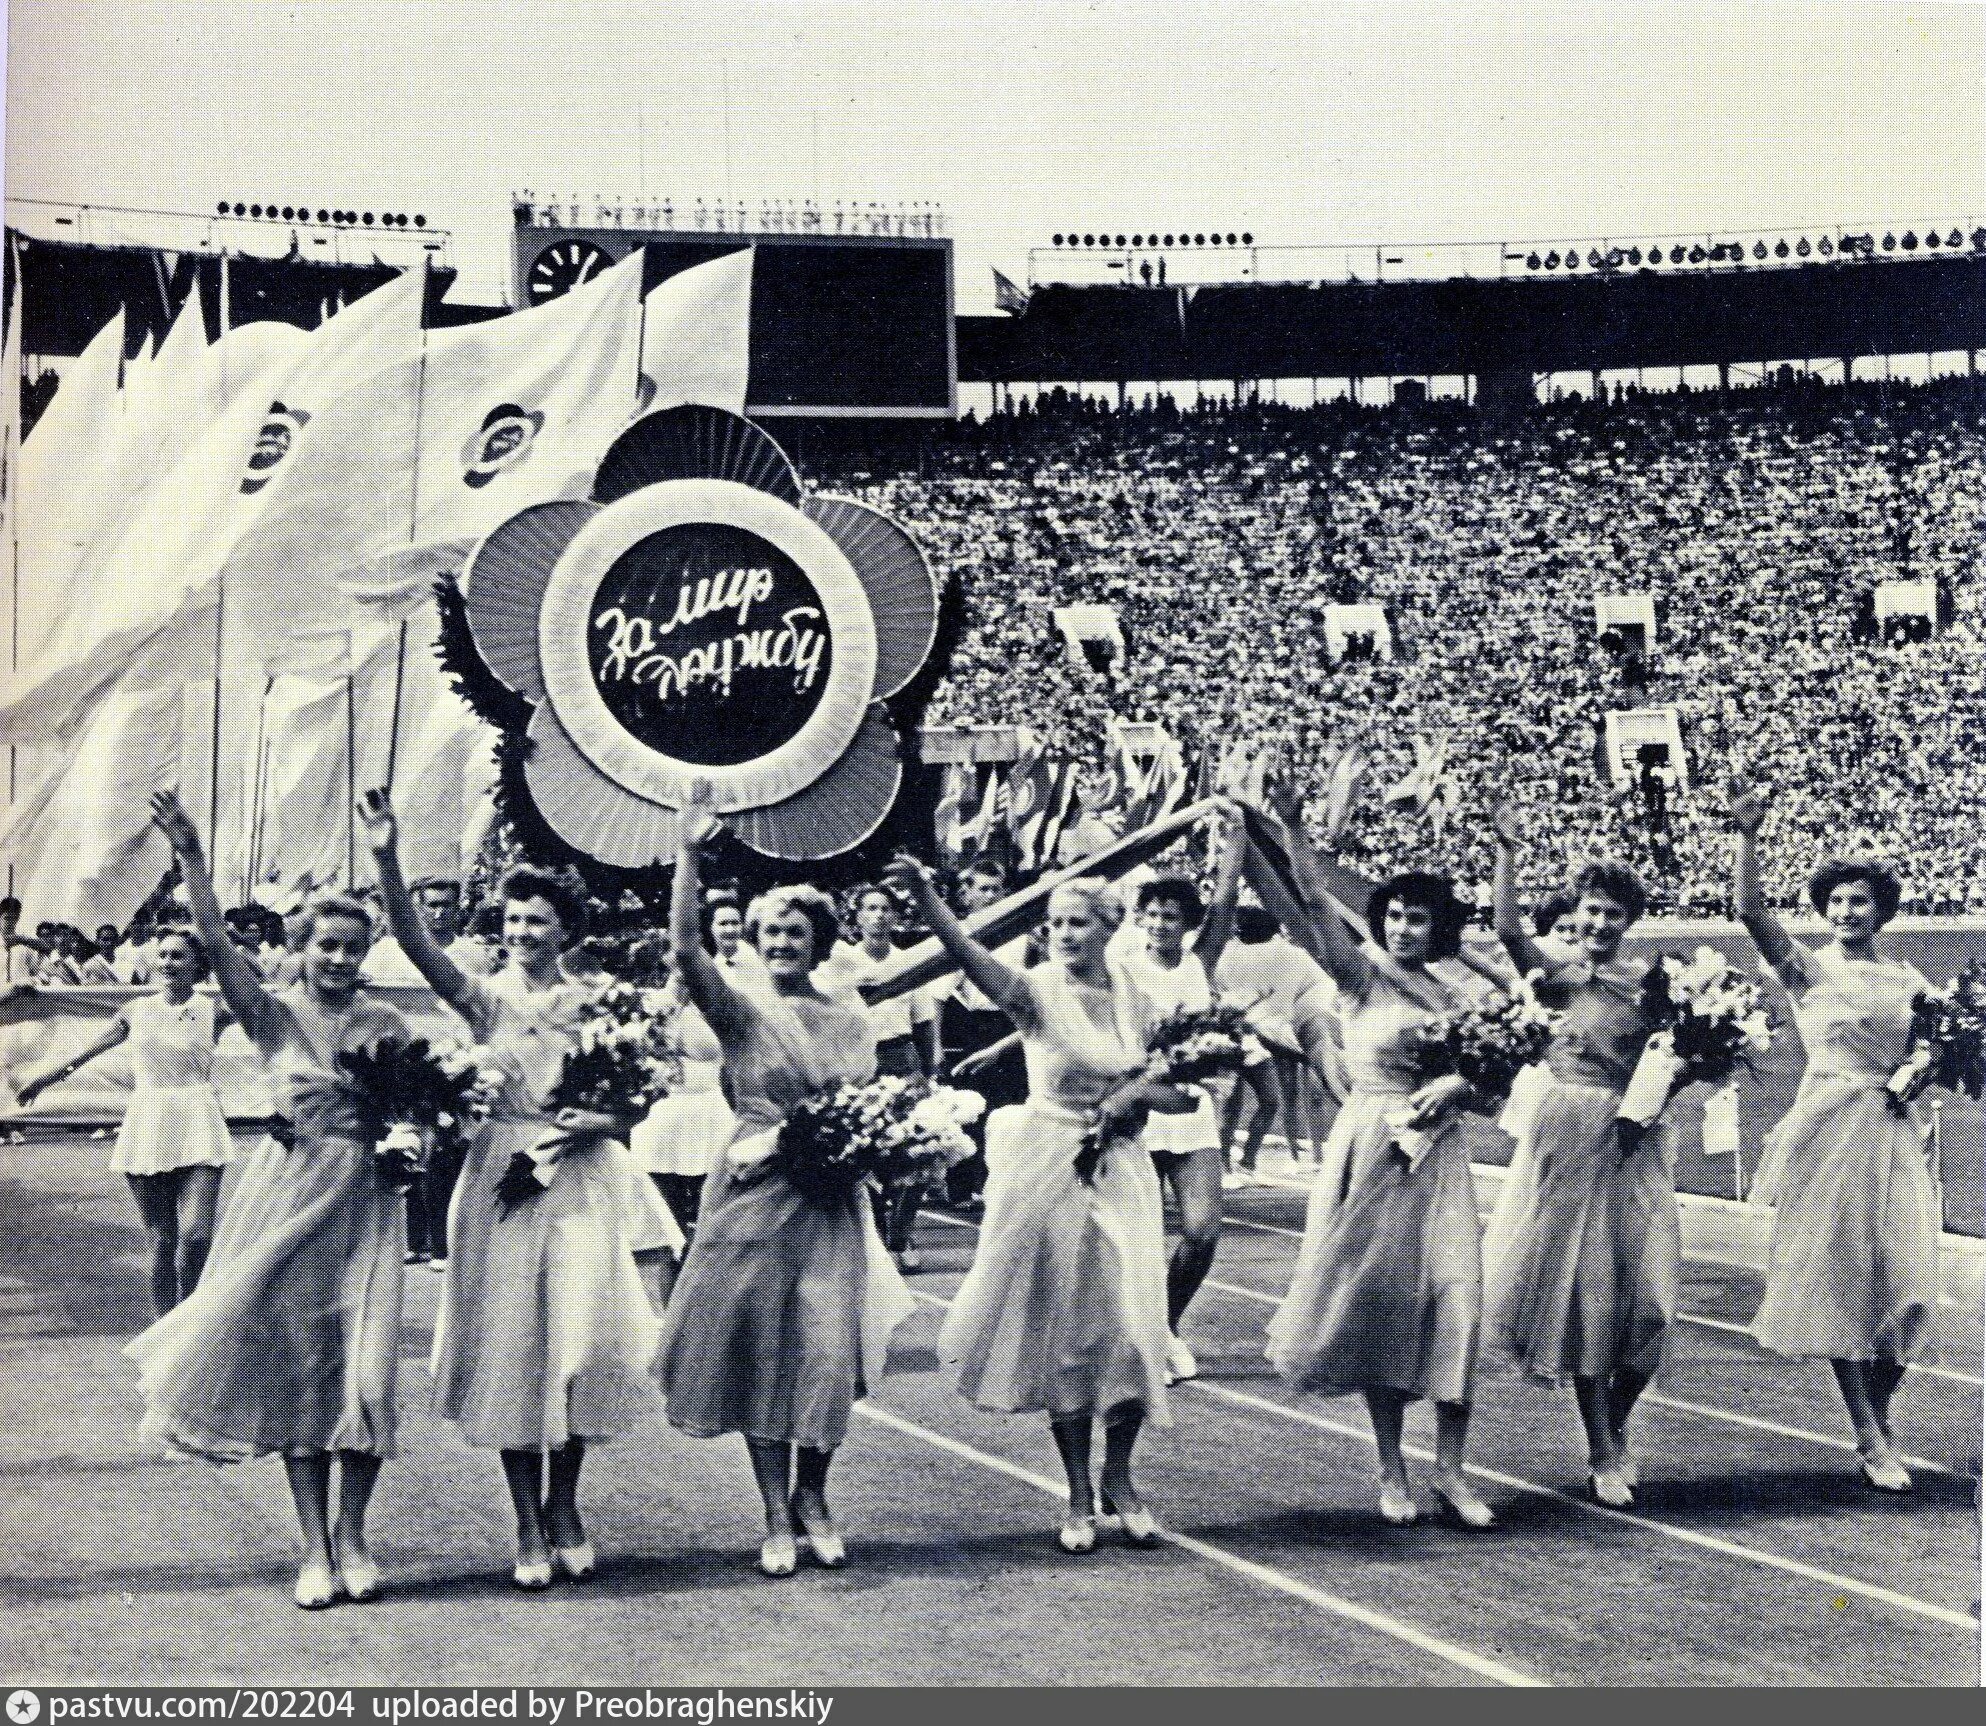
x=10, y=484
x=351, y=770
x=214, y=750
x=258, y=802
x=393, y=734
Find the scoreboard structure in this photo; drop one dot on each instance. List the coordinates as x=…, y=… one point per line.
x=844, y=326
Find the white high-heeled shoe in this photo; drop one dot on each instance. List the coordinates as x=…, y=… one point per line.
x=1459, y=1502
x=576, y=1563
x=1396, y=1505
x=1077, y=1534
x=779, y=1555
x=317, y=1586
x=359, y=1575
x=1609, y=1487
x=1882, y=1470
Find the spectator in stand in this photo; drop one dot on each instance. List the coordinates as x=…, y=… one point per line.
x=1757, y=519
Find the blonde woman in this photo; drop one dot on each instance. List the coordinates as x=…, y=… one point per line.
x=1064, y=1309
x=289, y=1345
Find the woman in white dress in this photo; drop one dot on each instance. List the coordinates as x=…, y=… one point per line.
x=1853, y=1274
x=1387, y=1297
x=545, y=1336
x=1582, y=1269
x=1173, y=965
x=1064, y=1309
x=289, y=1344
x=783, y=1313
x=173, y=1141
x=684, y=1132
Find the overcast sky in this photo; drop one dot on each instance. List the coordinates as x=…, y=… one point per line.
x=1308, y=123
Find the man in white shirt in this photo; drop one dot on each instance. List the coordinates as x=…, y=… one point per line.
x=968, y=1023
x=440, y=905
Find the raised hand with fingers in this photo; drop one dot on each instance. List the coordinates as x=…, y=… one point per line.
x=1748, y=804
x=700, y=826
x=907, y=876
x=1505, y=825
x=381, y=825
x=170, y=817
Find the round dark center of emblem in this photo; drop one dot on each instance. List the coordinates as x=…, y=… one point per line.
x=709, y=644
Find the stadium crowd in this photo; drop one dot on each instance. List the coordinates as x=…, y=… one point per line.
x=1759, y=522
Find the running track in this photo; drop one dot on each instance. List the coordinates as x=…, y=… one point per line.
x=1754, y=1554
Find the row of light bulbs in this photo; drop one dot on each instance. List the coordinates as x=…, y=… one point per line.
x=1733, y=251
x=1144, y=242
x=328, y=218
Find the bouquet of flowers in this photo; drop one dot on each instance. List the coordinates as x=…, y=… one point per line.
x=1711, y=1020
x=623, y=1061
x=414, y=1096
x=1488, y=1043
x=1947, y=1038
x=895, y=1132
x=1186, y=1046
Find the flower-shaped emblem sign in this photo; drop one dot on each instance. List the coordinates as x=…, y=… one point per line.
x=701, y=617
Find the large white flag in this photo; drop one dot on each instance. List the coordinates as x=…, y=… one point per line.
x=82, y=846
x=167, y=562
x=58, y=499
x=439, y=767
x=511, y=412
x=322, y=738
x=697, y=335
x=520, y=410
x=152, y=408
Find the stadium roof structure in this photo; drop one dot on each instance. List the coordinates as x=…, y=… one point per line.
x=1478, y=326
x=71, y=291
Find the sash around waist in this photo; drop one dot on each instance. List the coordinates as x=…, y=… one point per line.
x=1855, y=1081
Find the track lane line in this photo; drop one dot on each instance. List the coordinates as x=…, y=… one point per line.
x=1745, y=1330
x=1687, y=1536
x=1264, y=1576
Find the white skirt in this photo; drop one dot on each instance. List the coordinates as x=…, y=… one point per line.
x=683, y=1133
x=168, y=1127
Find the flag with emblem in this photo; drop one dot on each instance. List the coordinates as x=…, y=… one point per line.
x=486, y=420
x=168, y=560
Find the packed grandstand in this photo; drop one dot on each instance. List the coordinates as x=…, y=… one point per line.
x=1758, y=521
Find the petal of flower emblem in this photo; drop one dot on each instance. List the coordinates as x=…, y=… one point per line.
x=839, y=810
x=694, y=443
x=591, y=811
x=903, y=596
x=504, y=584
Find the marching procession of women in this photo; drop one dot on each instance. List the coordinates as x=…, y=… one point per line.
x=691, y=1197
